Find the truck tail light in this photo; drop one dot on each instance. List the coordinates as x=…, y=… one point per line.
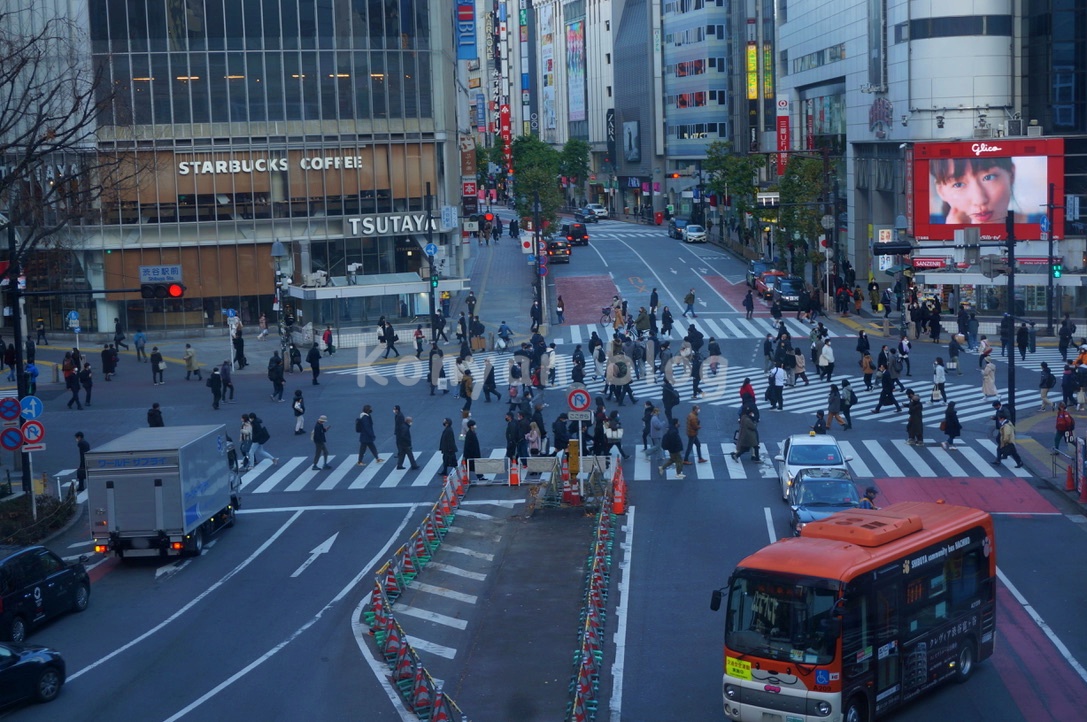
x=101, y=548
x=176, y=546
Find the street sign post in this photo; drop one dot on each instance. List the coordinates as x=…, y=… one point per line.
x=31, y=407
x=431, y=249
x=9, y=408
x=579, y=399
x=11, y=438
x=579, y=415
x=33, y=432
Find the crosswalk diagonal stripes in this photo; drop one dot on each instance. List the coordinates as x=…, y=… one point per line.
x=868, y=459
x=720, y=327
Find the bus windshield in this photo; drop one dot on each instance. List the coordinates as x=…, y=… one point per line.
x=788, y=619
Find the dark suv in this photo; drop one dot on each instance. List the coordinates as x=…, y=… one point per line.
x=586, y=215
x=35, y=586
x=576, y=234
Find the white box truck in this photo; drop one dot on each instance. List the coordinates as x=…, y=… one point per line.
x=161, y=491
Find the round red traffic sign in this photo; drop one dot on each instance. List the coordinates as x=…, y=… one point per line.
x=11, y=438
x=33, y=432
x=579, y=400
x=10, y=408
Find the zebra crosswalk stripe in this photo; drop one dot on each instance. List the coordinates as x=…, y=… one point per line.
x=888, y=466
x=856, y=464
x=914, y=458
x=280, y=474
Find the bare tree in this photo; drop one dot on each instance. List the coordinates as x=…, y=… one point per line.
x=51, y=173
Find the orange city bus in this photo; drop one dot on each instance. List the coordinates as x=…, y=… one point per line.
x=864, y=611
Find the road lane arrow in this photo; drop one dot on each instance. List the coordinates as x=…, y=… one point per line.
x=322, y=548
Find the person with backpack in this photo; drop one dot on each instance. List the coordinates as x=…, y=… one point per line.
x=260, y=438
x=320, y=444
x=618, y=376
x=1066, y=424
x=848, y=401
x=674, y=446
x=298, y=406
x=834, y=407
x=1047, y=382
x=364, y=427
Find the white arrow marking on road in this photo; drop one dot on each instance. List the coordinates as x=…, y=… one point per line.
x=702, y=302
x=674, y=271
x=322, y=548
x=703, y=271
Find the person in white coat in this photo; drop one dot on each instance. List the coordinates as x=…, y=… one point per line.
x=826, y=361
x=988, y=379
x=939, y=377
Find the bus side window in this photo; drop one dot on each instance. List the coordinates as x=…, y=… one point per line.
x=963, y=574
x=855, y=635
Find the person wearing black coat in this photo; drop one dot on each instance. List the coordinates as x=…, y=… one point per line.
x=215, y=383
x=887, y=393
x=560, y=433
x=364, y=425
x=313, y=358
x=154, y=416
x=275, y=375
x=86, y=380
x=950, y=426
x=448, y=446
x=403, y=441
x=490, y=386
x=471, y=448
x=512, y=436
x=669, y=399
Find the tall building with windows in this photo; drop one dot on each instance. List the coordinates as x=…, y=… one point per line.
x=328, y=127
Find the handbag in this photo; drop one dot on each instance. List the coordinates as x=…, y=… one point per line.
x=943, y=426
x=443, y=383
x=953, y=364
x=936, y=393
x=1081, y=397
x=162, y=366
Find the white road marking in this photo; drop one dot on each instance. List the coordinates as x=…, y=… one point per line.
x=442, y=592
x=457, y=571
x=429, y=616
x=438, y=650
x=621, y=613
x=466, y=552
x=1072, y=661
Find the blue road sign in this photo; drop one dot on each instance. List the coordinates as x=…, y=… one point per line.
x=73, y=315
x=430, y=249
x=219, y=443
x=231, y=313
x=9, y=408
x=1045, y=224
x=11, y=438
x=77, y=329
x=543, y=270
x=31, y=407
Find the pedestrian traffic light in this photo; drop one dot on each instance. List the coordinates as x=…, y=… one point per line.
x=434, y=280
x=488, y=217
x=1058, y=268
x=162, y=290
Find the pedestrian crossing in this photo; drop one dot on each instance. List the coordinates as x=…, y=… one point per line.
x=869, y=459
x=719, y=328
x=723, y=388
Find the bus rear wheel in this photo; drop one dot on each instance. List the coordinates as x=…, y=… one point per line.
x=966, y=662
x=856, y=710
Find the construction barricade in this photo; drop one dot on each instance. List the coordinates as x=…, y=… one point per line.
x=421, y=695
x=588, y=658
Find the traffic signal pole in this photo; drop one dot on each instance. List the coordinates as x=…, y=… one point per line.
x=433, y=271
x=1050, y=291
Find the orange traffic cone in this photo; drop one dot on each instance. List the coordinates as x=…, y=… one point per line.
x=422, y=552
x=441, y=711
x=515, y=472
x=404, y=667
x=392, y=639
x=1069, y=480
x=421, y=693
x=392, y=584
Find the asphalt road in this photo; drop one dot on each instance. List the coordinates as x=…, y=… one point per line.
x=234, y=635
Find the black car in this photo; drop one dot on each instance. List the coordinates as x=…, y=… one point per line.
x=787, y=291
x=29, y=674
x=756, y=269
x=35, y=586
x=558, y=250
x=819, y=492
x=576, y=234
x=676, y=226
x=586, y=215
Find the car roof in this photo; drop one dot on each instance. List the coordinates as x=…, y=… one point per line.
x=824, y=473
x=9, y=550
x=812, y=440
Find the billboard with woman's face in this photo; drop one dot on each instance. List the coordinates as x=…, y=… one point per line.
x=976, y=183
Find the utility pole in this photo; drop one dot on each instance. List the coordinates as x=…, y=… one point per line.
x=1050, y=291
x=1009, y=225
x=538, y=250
x=433, y=271
x=14, y=271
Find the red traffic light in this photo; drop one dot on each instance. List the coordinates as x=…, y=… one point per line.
x=488, y=217
x=162, y=290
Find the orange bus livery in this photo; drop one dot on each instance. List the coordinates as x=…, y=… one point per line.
x=864, y=611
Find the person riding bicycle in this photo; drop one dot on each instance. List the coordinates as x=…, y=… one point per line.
x=505, y=332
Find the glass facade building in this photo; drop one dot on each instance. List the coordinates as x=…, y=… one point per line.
x=322, y=125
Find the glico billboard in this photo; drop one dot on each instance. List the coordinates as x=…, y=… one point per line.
x=976, y=183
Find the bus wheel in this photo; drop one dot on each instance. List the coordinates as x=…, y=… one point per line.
x=966, y=662
x=856, y=710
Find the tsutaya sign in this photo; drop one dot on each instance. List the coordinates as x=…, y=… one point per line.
x=391, y=223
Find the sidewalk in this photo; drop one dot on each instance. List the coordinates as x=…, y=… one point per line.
x=1034, y=437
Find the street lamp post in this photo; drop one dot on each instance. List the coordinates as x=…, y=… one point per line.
x=279, y=252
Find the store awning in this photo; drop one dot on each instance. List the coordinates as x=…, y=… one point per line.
x=935, y=278
x=382, y=284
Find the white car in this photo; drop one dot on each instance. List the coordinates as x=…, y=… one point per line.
x=808, y=451
x=598, y=209
x=694, y=233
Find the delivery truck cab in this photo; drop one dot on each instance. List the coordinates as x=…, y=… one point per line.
x=161, y=491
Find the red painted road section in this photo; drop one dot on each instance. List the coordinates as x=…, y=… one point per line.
x=103, y=569
x=1038, y=678
x=995, y=495
x=734, y=293
x=584, y=296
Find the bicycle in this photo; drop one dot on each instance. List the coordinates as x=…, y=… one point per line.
x=606, y=318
